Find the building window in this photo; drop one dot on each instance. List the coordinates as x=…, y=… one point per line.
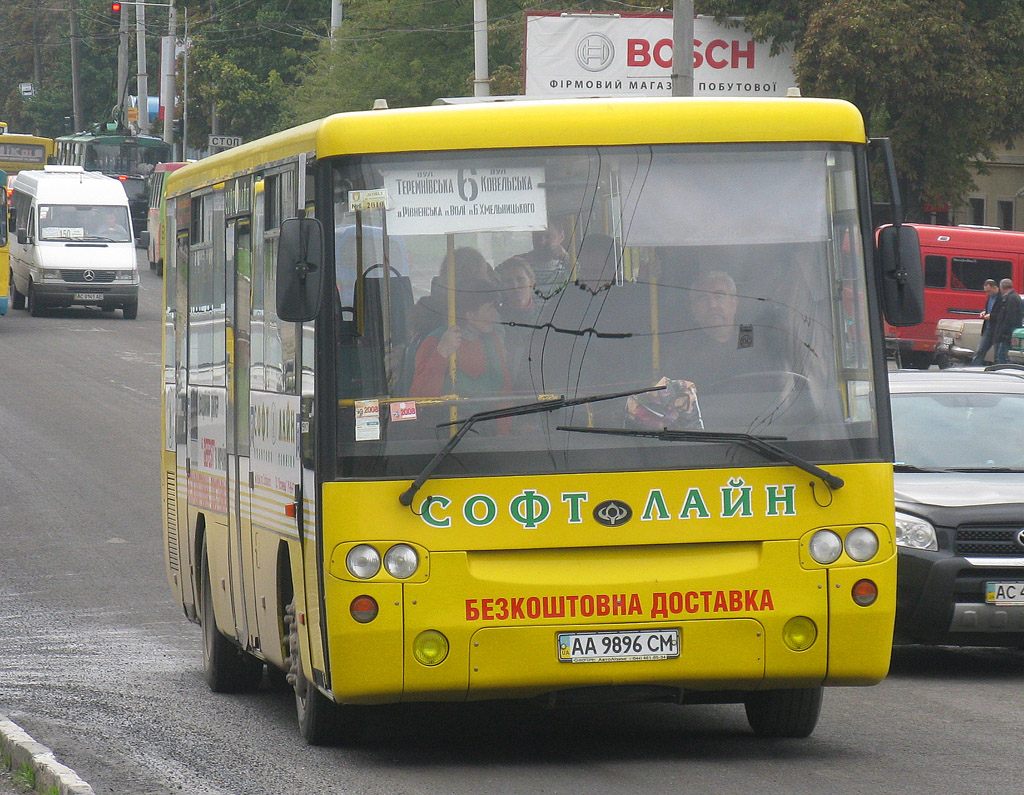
x=1005, y=214
x=977, y=212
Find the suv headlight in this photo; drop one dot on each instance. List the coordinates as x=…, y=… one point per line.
x=914, y=532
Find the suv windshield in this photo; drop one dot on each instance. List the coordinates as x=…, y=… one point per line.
x=733, y=274
x=107, y=223
x=959, y=430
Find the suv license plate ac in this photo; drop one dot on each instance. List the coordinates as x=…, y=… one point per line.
x=1004, y=593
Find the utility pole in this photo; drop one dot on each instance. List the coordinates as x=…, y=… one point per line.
x=682, y=48
x=481, y=79
x=167, y=51
x=336, y=17
x=76, y=79
x=142, y=90
x=122, y=69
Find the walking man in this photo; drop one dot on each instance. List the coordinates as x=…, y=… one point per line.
x=1006, y=318
x=992, y=291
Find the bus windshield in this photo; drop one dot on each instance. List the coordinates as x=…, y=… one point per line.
x=124, y=156
x=105, y=223
x=731, y=274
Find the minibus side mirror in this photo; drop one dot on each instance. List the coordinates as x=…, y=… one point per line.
x=22, y=236
x=902, y=278
x=300, y=270
x=144, y=239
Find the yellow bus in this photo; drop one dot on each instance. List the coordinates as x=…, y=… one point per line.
x=652, y=464
x=17, y=153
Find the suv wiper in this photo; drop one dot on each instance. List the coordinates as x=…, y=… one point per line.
x=759, y=444
x=537, y=407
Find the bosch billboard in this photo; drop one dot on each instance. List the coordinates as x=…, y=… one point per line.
x=573, y=55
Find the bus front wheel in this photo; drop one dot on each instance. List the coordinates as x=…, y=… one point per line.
x=784, y=713
x=321, y=721
x=226, y=667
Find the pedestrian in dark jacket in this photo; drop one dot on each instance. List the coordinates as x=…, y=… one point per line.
x=1006, y=316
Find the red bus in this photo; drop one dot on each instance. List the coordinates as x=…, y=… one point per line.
x=956, y=260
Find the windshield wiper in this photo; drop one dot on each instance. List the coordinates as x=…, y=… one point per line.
x=537, y=407
x=985, y=469
x=759, y=444
x=899, y=467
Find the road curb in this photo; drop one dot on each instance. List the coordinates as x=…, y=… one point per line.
x=17, y=744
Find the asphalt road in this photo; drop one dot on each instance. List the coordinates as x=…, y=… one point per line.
x=98, y=663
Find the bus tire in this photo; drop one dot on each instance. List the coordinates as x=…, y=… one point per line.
x=226, y=667
x=784, y=713
x=130, y=311
x=321, y=721
x=17, y=297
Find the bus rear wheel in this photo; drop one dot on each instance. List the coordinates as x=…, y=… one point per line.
x=226, y=667
x=784, y=713
x=321, y=721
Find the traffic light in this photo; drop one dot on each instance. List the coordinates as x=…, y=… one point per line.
x=115, y=12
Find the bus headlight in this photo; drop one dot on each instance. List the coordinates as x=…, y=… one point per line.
x=362, y=561
x=861, y=544
x=825, y=546
x=401, y=561
x=914, y=532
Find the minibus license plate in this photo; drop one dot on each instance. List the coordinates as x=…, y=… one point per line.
x=1004, y=593
x=88, y=296
x=618, y=646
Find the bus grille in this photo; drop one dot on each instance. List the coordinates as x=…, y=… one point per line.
x=996, y=542
x=172, y=523
x=78, y=276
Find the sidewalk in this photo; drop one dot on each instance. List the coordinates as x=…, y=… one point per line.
x=25, y=753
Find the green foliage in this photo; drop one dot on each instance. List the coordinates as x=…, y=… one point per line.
x=942, y=78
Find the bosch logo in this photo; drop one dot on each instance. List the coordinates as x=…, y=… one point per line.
x=595, y=52
x=1020, y=538
x=612, y=513
x=89, y=276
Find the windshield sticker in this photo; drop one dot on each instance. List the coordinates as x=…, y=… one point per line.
x=362, y=200
x=444, y=201
x=405, y=410
x=367, y=420
x=531, y=508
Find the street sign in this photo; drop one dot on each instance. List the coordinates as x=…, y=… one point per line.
x=225, y=141
x=27, y=89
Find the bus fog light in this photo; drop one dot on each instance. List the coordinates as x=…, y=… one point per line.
x=430, y=647
x=799, y=633
x=861, y=544
x=825, y=547
x=362, y=561
x=364, y=609
x=401, y=561
x=864, y=592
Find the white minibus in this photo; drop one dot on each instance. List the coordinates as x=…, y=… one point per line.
x=72, y=242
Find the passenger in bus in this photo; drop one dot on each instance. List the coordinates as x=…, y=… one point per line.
x=476, y=343
x=431, y=310
x=519, y=310
x=548, y=258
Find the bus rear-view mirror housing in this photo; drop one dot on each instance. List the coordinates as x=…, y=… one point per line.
x=300, y=270
x=902, y=280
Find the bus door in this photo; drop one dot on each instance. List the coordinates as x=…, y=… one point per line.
x=237, y=254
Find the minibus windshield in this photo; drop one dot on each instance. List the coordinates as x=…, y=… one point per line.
x=105, y=223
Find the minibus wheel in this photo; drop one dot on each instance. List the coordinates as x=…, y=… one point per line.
x=130, y=311
x=226, y=667
x=784, y=713
x=17, y=297
x=34, y=307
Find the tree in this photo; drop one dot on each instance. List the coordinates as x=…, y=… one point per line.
x=941, y=78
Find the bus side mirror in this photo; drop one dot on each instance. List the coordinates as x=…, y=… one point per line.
x=300, y=270
x=902, y=279
x=22, y=236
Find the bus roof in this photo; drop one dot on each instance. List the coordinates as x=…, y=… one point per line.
x=543, y=123
x=967, y=237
